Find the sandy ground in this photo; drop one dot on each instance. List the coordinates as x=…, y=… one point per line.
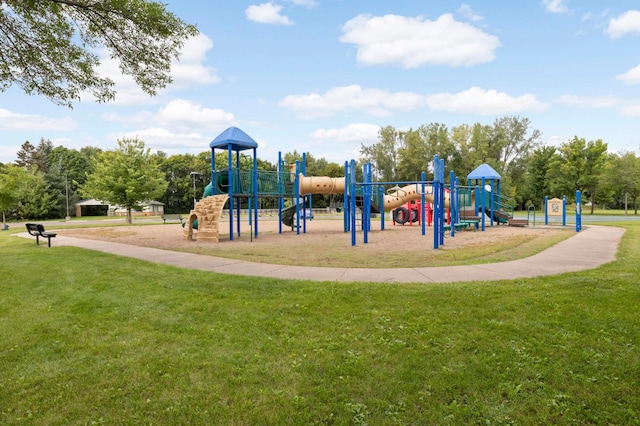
x=321, y=232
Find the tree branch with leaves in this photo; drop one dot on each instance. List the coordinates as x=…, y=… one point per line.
x=47, y=47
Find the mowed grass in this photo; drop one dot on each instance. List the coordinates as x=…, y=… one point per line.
x=90, y=338
x=338, y=254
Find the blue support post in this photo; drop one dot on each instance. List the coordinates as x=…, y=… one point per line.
x=564, y=210
x=346, y=211
x=230, y=179
x=452, y=187
x=381, y=198
x=297, y=197
x=423, y=202
x=442, y=215
x=482, y=212
x=546, y=210
x=491, y=203
x=304, y=197
x=238, y=202
x=436, y=201
x=578, y=211
x=366, y=201
x=352, y=201
x=457, y=200
x=281, y=192
x=255, y=191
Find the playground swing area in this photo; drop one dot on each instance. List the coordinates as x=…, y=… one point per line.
x=367, y=206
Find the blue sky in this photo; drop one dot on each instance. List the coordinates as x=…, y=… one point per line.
x=322, y=76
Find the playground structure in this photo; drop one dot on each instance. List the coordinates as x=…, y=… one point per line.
x=205, y=217
x=450, y=207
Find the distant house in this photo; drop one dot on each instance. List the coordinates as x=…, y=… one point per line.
x=102, y=208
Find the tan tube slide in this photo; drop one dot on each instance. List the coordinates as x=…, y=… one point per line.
x=320, y=185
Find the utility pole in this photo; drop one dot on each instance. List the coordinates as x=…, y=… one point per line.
x=66, y=187
x=193, y=177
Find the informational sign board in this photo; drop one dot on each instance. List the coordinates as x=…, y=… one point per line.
x=554, y=207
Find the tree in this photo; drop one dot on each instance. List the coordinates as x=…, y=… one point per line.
x=36, y=198
x=465, y=159
x=75, y=165
x=177, y=169
x=579, y=166
x=536, y=181
x=514, y=140
x=383, y=155
x=126, y=176
x=414, y=157
x=41, y=157
x=47, y=46
x=26, y=155
x=10, y=178
x=622, y=175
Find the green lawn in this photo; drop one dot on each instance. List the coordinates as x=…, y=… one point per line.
x=90, y=338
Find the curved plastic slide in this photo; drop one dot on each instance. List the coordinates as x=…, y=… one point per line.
x=400, y=196
x=288, y=215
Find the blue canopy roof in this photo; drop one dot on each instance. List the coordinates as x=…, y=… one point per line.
x=483, y=171
x=238, y=139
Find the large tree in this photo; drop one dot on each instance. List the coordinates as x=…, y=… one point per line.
x=414, y=156
x=622, y=176
x=515, y=140
x=384, y=154
x=10, y=180
x=47, y=47
x=579, y=165
x=536, y=178
x=126, y=177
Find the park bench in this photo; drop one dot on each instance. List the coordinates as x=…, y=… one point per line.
x=37, y=230
x=471, y=222
x=457, y=226
x=176, y=216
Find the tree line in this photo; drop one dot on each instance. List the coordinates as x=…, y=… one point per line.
x=46, y=182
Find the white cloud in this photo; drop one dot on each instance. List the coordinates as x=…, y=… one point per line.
x=466, y=11
x=189, y=70
x=555, y=6
x=485, y=102
x=306, y=3
x=588, y=101
x=356, y=132
x=630, y=77
x=12, y=121
x=179, y=115
x=632, y=110
x=351, y=98
x=267, y=13
x=186, y=114
x=162, y=139
x=415, y=42
x=626, y=23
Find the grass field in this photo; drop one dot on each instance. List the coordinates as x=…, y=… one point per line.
x=90, y=338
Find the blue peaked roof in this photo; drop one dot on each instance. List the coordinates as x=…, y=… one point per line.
x=483, y=171
x=238, y=139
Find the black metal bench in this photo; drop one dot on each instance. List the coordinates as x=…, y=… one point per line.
x=37, y=230
x=166, y=217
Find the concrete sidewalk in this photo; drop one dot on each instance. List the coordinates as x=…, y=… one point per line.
x=594, y=246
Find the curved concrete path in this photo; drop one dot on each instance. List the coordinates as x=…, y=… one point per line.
x=592, y=247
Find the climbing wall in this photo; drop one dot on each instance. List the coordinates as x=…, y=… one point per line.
x=207, y=213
